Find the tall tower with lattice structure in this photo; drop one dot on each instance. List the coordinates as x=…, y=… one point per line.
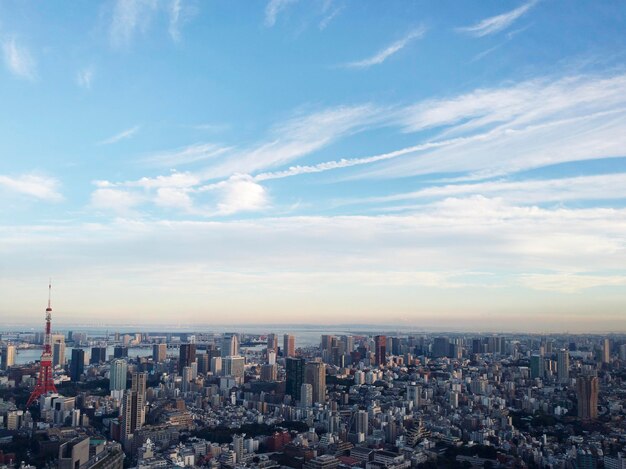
x=45, y=381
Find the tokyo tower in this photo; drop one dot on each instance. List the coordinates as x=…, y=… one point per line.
x=45, y=382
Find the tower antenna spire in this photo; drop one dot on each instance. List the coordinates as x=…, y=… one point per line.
x=49, y=293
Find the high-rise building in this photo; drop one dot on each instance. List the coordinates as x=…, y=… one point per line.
x=117, y=377
x=562, y=366
x=269, y=372
x=315, y=375
x=120, y=351
x=536, y=366
x=98, y=355
x=133, y=407
x=58, y=351
x=413, y=393
x=8, y=357
x=295, y=377
x=187, y=375
x=159, y=352
x=234, y=366
x=361, y=422
x=272, y=343
x=587, y=389
x=606, y=351
x=289, y=345
x=186, y=355
x=202, y=360
x=216, y=366
x=441, y=347
x=306, y=395
x=238, y=448
x=380, y=349
x=230, y=345
x=77, y=365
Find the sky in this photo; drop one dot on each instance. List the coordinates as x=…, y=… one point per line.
x=420, y=164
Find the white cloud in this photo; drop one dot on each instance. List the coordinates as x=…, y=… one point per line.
x=39, y=187
x=19, y=60
x=598, y=187
x=328, y=17
x=273, y=8
x=173, y=197
x=85, y=77
x=527, y=125
x=390, y=50
x=497, y=23
x=125, y=134
x=240, y=193
x=115, y=200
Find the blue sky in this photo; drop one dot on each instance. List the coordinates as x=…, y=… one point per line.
x=429, y=164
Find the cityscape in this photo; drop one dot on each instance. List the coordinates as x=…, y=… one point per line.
x=313, y=234
x=240, y=400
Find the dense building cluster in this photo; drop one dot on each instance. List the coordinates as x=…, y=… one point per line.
x=373, y=401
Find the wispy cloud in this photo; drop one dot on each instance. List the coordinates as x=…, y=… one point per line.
x=272, y=10
x=125, y=134
x=495, y=24
x=330, y=15
x=187, y=155
x=175, y=13
x=388, y=51
x=85, y=77
x=32, y=185
x=130, y=17
x=19, y=60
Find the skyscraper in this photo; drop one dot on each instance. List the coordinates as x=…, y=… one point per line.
x=58, y=350
x=536, y=366
x=606, y=351
x=315, y=375
x=361, y=422
x=77, y=365
x=441, y=347
x=8, y=357
x=272, y=343
x=234, y=366
x=133, y=407
x=230, y=345
x=380, y=347
x=159, y=352
x=117, y=377
x=587, y=389
x=186, y=355
x=295, y=377
x=289, y=345
x=119, y=351
x=562, y=366
x=98, y=355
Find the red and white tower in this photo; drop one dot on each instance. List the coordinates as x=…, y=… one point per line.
x=45, y=382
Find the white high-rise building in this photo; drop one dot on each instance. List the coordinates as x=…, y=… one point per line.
x=230, y=345
x=8, y=357
x=117, y=378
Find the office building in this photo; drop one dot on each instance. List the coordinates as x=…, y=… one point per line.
x=159, y=353
x=269, y=372
x=58, y=353
x=361, y=422
x=234, y=366
x=98, y=355
x=77, y=365
x=441, y=347
x=8, y=357
x=587, y=389
x=230, y=345
x=562, y=366
x=272, y=343
x=133, y=407
x=289, y=345
x=120, y=351
x=606, y=351
x=186, y=355
x=315, y=375
x=380, y=350
x=74, y=454
x=294, y=368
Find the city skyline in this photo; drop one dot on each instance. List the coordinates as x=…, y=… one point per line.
x=331, y=163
